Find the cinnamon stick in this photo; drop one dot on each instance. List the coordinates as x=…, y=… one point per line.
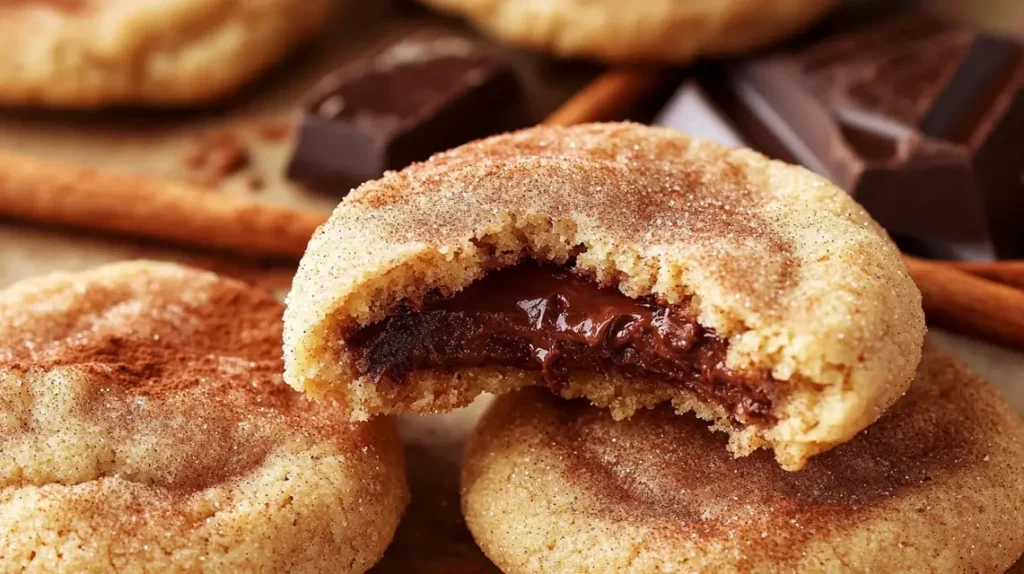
x=610, y=97
x=45, y=191
x=1006, y=272
x=960, y=302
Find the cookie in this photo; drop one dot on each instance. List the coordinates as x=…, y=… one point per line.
x=934, y=486
x=627, y=264
x=93, y=53
x=663, y=31
x=144, y=426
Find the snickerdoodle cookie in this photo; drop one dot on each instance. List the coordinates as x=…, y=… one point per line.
x=627, y=264
x=934, y=486
x=92, y=53
x=144, y=427
x=656, y=30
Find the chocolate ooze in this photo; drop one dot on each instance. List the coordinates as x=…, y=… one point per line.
x=549, y=319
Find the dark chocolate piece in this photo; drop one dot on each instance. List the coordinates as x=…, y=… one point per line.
x=919, y=119
x=420, y=95
x=548, y=319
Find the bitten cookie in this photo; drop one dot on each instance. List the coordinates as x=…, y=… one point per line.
x=144, y=427
x=92, y=53
x=626, y=264
x=934, y=486
x=658, y=30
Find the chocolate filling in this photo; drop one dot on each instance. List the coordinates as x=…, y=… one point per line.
x=549, y=319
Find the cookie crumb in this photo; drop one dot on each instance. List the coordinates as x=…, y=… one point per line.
x=274, y=131
x=217, y=155
x=254, y=182
x=195, y=158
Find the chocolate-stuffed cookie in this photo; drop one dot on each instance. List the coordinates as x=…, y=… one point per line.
x=934, y=486
x=92, y=53
x=626, y=264
x=144, y=426
x=656, y=30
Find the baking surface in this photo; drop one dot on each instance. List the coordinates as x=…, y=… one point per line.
x=432, y=538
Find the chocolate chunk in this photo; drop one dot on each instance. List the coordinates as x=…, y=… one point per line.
x=423, y=94
x=548, y=319
x=921, y=120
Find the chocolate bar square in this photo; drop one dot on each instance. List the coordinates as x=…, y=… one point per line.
x=920, y=119
x=425, y=93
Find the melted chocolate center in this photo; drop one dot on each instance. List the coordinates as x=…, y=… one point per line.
x=548, y=319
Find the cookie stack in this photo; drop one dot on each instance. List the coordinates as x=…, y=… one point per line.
x=660, y=285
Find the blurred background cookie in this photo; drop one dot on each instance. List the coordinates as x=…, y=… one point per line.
x=934, y=486
x=92, y=53
x=660, y=30
x=144, y=427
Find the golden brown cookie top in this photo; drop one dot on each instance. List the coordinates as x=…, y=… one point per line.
x=638, y=187
x=945, y=458
x=609, y=193
x=85, y=54
x=154, y=388
x=663, y=30
x=774, y=258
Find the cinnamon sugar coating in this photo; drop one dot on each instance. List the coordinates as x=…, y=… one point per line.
x=144, y=426
x=933, y=486
x=777, y=260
